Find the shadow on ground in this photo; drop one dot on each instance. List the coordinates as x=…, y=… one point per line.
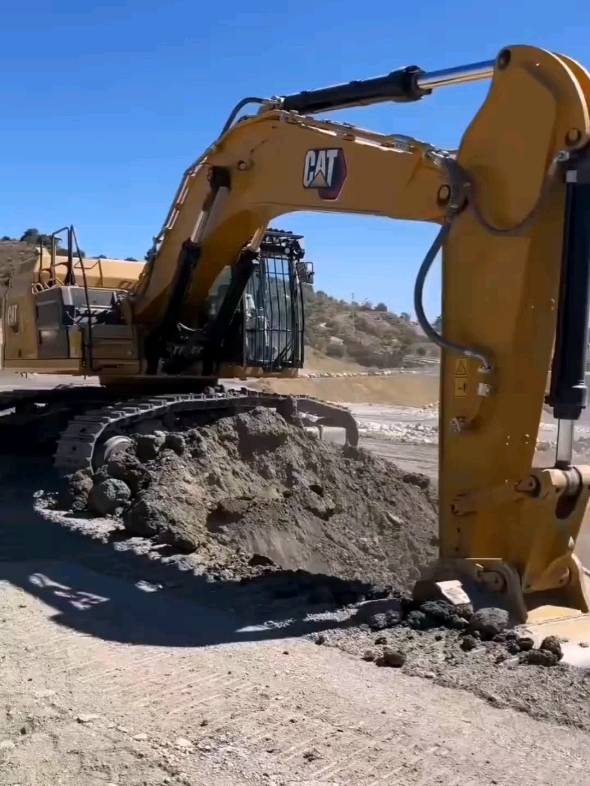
x=125, y=597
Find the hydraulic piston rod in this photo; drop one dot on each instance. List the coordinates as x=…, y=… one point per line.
x=406, y=84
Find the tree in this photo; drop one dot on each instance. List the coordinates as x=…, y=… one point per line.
x=437, y=324
x=130, y=259
x=102, y=256
x=405, y=316
x=421, y=351
x=381, y=307
x=6, y=239
x=30, y=236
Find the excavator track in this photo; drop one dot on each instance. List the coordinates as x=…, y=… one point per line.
x=77, y=444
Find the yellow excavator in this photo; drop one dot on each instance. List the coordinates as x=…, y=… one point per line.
x=220, y=296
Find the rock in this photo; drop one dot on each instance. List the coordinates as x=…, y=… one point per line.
x=440, y=610
x=513, y=647
x=540, y=658
x=175, y=442
x=552, y=644
x=468, y=643
x=393, y=519
x=141, y=737
x=86, y=718
x=127, y=468
x=418, y=620
x=448, y=591
x=380, y=640
x=320, y=639
x=383, y=620
x=150, y=519
x=181, y=742
x=369, y=655
x=79, y=487
x=140, y=519
x=457, y=623
x=489, y=622
x=109, y=495
x=392, y=658
x=261, y=431
x=147, y=446
x=6, y=745
x=525, y=643
x=417, y=479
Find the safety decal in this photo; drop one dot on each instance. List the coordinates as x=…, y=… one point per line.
x=324, y=170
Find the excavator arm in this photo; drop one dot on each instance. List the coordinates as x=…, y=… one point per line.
x=277, y=163
x=513, y=205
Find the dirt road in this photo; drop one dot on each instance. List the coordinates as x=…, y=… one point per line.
x=110, y=676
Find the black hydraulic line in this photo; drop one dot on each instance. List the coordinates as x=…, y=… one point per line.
x=569, y=393
x=399, y=86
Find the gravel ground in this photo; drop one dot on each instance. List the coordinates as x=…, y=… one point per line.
x=120, y=667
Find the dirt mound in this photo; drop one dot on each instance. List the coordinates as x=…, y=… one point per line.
x=319, y=362
x=255, y=490
x=13, y=255
x=402, y=390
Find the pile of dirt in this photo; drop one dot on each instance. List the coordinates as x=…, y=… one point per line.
x=13, y=255
x=253, y=490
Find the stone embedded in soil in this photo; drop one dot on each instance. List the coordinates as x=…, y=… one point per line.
x=383, y=620
x=149, y=445
x=468, y=643
x=525, y=643
x=152, y=519
x=108, y=496
x=391, y=657
x=489, y=622
x=79, y=487
x=127, y=468
x=175, y=442
x=418, y=620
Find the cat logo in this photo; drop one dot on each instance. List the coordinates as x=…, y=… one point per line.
x=325, y=171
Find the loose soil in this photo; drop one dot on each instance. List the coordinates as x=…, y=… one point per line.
x=255, y=488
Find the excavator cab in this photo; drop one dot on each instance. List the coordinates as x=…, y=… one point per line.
x=266, y=329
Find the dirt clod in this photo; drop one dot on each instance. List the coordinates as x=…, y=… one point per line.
x=108, y=496
x=540, y=658
x=468, y=643
x=391, y=657
x=553, y=645
x=489, y=622
x=148, y=445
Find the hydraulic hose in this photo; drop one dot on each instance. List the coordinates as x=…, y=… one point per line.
x=457, y=178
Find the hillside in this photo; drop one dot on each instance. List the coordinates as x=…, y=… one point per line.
x=366, y=335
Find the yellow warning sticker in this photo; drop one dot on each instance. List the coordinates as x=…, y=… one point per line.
x=461, y=387
x=461, y=367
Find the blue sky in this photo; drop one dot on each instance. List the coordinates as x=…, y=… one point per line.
x=104, y=105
